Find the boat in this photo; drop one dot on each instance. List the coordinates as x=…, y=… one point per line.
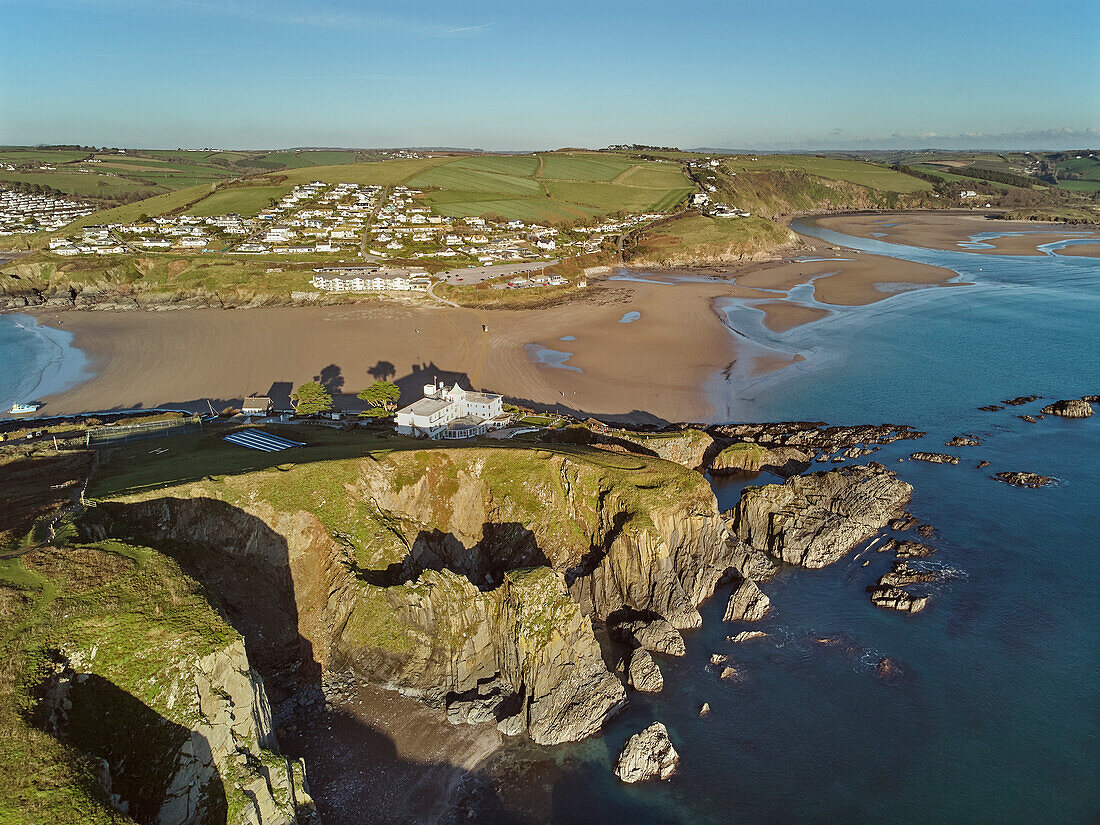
x=20, y=409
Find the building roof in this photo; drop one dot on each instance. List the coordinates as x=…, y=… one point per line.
x=427, y=406
x=481, y=397
x=466, y=422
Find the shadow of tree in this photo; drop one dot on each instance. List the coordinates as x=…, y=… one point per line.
x=332, y=379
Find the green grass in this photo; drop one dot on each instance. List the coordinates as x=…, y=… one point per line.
x=583, y=167
x=523, y=166
x=940, y=172
x=693, y=237
x=852, y=171
x=246, y=200
x=40, y=156
x=611, y=197
x=524, y=209
x=1080, y=185
x=159, y=205
x=454, y=176
x=78, y=184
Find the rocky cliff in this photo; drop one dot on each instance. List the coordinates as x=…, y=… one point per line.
x=468, y=577
x=816, y=519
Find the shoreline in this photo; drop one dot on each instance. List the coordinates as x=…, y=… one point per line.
x=60, y=365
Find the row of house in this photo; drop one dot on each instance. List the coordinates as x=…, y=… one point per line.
x=370, y=279
x=22, y=213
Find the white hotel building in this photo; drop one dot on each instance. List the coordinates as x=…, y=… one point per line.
x=453, y=413
x=348, y=279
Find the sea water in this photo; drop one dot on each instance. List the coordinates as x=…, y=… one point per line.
x=36, y=361
x=992, y=716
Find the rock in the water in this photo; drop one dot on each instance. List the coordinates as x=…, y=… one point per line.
x=1023, y=399
x=729, y=673
x=718, y=658
x=1092, y=399
x=746, y=635
x=747, y=603
x=1071, y=408
x=1030, y=419
x=982, y=465
x=1023, y=479
x=964, y=440
x=991, y=408
x=656, y=635
x=897, y=599
x=644, y=673
x=749, y=562
x=647, y=755
x=814, y=520
x=935, y=458
x=705, y=709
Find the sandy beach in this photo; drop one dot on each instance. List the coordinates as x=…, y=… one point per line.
x=948, y=230
x=653, y=369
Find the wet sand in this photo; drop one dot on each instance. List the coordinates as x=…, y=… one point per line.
x=947, y=230
x=846, y=278
x=1083, y=250
x=780, y=316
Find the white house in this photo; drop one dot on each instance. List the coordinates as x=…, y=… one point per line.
x=257, y=405
x=452, y=414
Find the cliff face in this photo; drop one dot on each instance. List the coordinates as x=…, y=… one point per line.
x=468, y=577
x=814, y=520
x=215, y=758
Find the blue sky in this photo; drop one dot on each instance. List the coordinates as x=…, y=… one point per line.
x=515, y=75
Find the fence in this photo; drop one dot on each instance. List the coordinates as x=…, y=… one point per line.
x=116, y=434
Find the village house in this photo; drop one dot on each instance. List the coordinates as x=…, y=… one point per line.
x=451, y=414
x=257, y=405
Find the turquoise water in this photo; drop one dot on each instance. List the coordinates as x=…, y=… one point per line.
x=994, y=716
x=36, y=361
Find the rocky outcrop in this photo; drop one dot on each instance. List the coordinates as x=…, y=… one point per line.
x=964, y=440
x=643, y=672
x=890, y=592
x=751, y=458
x=749, y=562
x=689, y=447
x=1021, y=479
x=1071, y=408
x=1020, y=400
x=647, y=755
x=209, y=749
x=935, y=458
x=814, y=520
x=814, y=436
x=655, y=635
x=894, y=598
x=746, y=603
x=746, y=635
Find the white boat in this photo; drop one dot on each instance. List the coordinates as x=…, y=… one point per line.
x=19, y=409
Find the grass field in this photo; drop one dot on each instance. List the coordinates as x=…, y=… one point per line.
x=584, y=167
x=692, y=237
x=1079, y=185
x=852, y=171
x=611, y=197
x=245, y=200
x=456, y=176
x=940, y=172
x=80, y=185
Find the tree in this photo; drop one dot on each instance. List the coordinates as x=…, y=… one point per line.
x=382, y=394
x=311, y=398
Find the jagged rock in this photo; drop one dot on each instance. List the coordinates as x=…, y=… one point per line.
x=656, y=635
x=688, y=447
x=494, y=701
x=643, y=672
x=746, y=635
x=718, y=658
x=905, y=549
x=1030, y=419
x=729, y=673
x=964, y=441
x=705, y=709
x=991, y=408
x=647, y=755
x=926, y=530
x=1092, y=399
x=887, y=668
x=895, y=598
x=1023, y=399
x=982, y=465
x=749, y=562
x=747, y=603
x=935, y=458
x=751, y=457
x=814, y=520
x=1071, y=408
x=905, y=522
x=1023, y=479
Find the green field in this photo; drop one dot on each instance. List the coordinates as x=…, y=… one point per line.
x=940, y=172
x=245, y=200
x=79, y=184
x=611, y=197
x=1079, y=185
x=852, y=171
x=584, y=167
x=456, y=176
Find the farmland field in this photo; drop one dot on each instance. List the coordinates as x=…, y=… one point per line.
x=938, y=171
x=612, y=197
x=78, y=184
x=584, y=167
x=455, y=176
x=852, y=171
x=245, y=200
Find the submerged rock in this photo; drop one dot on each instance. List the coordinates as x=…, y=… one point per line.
x=1023, y=399
x=935, y=458
x=643, y=672
x=1023, y=479
x=656, y=635
x=747, y=603
x=1071, y=408
x=746, y=635
x=647, y=755
x=991, y=408
x=1030, y=419
x=982, y=465
x=816, y=519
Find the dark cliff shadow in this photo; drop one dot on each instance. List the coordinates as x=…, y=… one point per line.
x=357, y=773
x=244, y=569
x=503, y=547
x=127, y=746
